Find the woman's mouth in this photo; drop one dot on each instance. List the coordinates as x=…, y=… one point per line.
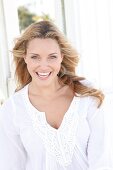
x=43, y=76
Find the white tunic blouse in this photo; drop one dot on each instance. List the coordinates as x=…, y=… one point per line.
x=28, y=142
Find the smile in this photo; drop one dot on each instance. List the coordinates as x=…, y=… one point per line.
x=43, y=75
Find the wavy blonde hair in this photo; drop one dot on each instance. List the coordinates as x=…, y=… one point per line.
x=67, y=74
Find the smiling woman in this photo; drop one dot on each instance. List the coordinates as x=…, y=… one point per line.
x=54, y=120
x=67, y=73
x=43, y=59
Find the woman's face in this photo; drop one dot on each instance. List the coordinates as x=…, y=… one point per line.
x=43, y=59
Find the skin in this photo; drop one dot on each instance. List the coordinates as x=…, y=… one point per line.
x=44, y=56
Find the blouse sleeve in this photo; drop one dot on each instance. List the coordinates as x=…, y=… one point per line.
x=12, y=152
x=99, y=146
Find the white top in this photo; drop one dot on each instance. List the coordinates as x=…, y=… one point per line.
x=28, y=142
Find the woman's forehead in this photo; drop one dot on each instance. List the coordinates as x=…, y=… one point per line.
x=47, y=44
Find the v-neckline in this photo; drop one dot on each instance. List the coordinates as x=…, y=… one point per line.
x=58, y=142
x=42, y=115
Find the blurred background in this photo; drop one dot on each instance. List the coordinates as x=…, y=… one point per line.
x=87, y=24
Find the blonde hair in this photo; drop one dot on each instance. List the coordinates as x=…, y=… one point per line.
x=67, y=74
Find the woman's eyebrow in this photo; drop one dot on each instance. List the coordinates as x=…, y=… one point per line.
x=39, y=55
x=52, y=53
x=34, y=54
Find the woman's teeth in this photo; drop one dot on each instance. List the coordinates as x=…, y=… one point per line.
x=43, y=75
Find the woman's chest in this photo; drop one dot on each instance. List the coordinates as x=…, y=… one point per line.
x=41, y=138
x=54, y=110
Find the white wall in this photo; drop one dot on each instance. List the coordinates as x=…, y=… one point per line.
x=4, y=60
x=9, y=29
x=90, y=29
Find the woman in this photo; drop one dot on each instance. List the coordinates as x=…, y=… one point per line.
x=54, y=121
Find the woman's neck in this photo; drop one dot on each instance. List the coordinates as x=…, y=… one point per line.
x=51, y=90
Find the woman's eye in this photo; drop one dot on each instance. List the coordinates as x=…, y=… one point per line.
x=53, y=57
x=35, y=57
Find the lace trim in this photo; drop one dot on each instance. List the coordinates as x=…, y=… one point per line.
x=59, y=143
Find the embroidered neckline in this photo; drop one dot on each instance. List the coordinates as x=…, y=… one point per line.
x=58, y=142
x=42, y=114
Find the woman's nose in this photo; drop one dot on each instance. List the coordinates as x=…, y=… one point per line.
x=43, y=63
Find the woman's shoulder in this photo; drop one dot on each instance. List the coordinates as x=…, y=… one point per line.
x=14, y=98
x=20, y=92
x=105, y=108
x=87, y=106
x=13, y=108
